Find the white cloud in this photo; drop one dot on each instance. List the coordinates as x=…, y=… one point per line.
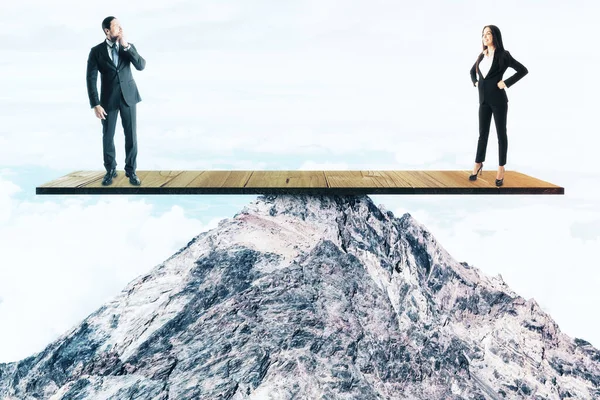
x=310, y=83
x=542, y=249
x=62, y=259
x=316, y=166
x=309, y=76
x=7, y=189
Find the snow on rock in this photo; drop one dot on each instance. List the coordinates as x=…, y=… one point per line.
x=312, y=297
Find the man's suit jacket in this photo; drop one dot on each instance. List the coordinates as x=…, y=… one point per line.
x=114, y=79
x=489, y=92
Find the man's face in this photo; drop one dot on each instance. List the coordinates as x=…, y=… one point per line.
x=114, y=31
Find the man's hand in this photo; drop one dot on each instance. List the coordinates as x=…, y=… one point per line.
x=501, y=85
x=122, y=42
x=476, y=83
x=99, y=111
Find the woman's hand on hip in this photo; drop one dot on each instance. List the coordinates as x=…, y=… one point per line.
x=502, y=85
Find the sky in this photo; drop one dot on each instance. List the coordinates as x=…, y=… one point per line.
x=293, y=85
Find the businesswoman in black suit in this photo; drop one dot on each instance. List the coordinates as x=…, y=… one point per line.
x=486, y=75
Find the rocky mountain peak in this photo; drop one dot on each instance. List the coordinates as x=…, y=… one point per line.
x=312, y=297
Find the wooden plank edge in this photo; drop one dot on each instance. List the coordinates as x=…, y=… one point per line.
x=318, y=191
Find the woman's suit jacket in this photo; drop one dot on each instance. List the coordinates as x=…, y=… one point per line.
x=489, y=92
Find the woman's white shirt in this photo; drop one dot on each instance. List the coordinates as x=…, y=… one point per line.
x=486, y=64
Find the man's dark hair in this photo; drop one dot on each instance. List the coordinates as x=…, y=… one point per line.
x=106, y=23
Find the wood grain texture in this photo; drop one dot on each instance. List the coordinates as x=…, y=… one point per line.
x=287, y=179
x=373, y=179
x=345, y=182
x=76, y=179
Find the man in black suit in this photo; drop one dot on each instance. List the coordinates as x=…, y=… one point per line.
x=113, y=58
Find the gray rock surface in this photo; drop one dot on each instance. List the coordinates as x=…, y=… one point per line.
x=312, y=297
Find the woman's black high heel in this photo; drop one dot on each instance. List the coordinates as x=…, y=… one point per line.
x=500, y=182
x=474, y=176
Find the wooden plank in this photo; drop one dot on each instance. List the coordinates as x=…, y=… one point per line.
x=287, y=179
x=487, y=178
x=457, y=182
x=148, y=178
x=184, y=179
x=418, y=179
x=222, y=179
x=449, y=179
x=456, y=179
x=345, y=182
x=76, y=179
x=516, y=179
x=159, y=178
x=398, y=179
x=339, y=179
x=378, y=179
x=366, y=179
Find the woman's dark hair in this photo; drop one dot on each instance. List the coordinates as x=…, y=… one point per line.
x=496, y=41
x=496, y=37
x=106, y=23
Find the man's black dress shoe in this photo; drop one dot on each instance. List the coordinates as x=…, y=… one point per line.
x=107, y=180
x=133, y=179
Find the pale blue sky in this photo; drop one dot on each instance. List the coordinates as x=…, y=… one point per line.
x=302, y=85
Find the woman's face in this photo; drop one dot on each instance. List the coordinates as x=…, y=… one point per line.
x=487, y=37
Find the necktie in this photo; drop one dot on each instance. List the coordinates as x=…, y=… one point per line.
x=115, y=54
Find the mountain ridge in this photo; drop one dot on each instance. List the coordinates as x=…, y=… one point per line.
x=312, y=297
